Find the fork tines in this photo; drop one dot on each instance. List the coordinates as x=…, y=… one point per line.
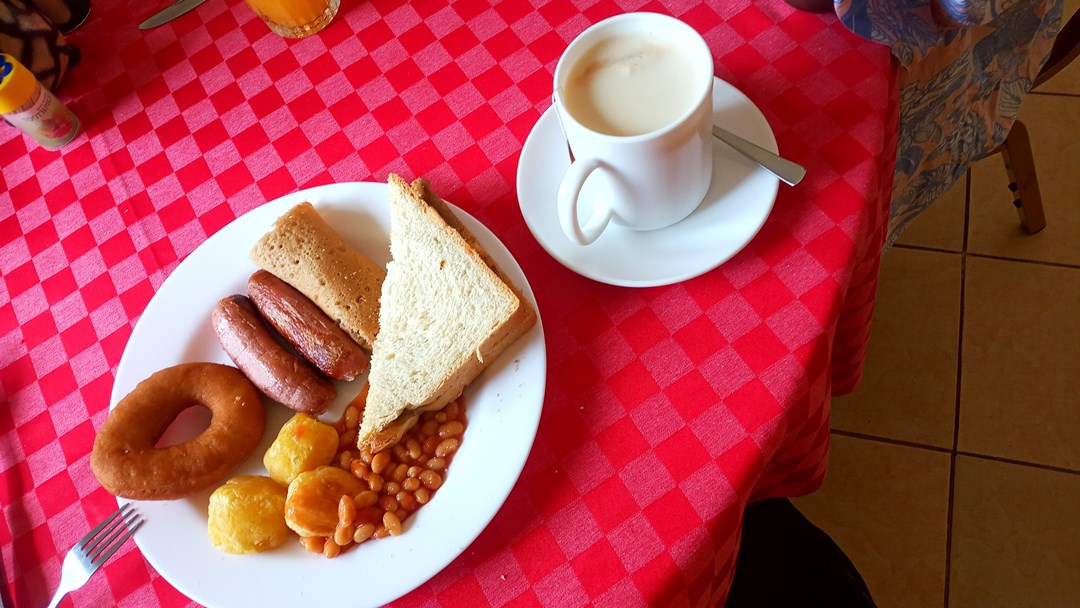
x=101, y=542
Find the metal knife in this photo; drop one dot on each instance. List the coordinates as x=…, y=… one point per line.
x=788, y=172
x=170, y=12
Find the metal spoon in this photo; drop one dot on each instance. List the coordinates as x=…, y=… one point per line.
x=790, y=173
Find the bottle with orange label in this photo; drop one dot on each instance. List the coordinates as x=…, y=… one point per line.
x=32, y=108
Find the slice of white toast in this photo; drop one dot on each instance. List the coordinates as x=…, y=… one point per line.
x=445, y=313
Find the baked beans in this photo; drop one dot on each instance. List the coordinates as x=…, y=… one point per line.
x=447, y=447
x=363, y=532
x=423, y=495
x=399, y=479
x=392, y=523
x=343, y=534
x=406, y=501
x=331, y=549
x=366, y=498
x=430, y=479
x=379, y=462
x=453, y=428
x=347, y=440
x=312, y=543
x=352, y=417
x=388, y=503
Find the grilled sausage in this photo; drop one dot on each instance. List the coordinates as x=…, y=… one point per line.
x=311, y=332
x=281, y=375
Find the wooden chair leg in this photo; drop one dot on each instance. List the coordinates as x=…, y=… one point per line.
x=1020, y=166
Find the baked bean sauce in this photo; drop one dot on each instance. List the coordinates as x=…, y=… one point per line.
x=400, y=479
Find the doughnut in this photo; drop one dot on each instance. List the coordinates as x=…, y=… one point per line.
x=125, y=458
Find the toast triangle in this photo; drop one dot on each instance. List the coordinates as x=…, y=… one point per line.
x=445, y=313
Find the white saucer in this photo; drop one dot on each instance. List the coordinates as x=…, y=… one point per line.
x=741, y=197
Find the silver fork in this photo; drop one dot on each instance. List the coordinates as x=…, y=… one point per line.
x=95, y=548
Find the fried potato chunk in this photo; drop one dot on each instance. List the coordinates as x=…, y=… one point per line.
x=303, y=444
x=247, y=515
x=311, y=507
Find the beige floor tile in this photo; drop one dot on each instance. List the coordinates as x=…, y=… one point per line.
x=1067, y=80
x=1020, y=391
x=908, y=391
x=1015, y=540
x=887, y=508
x=993, y=225
x=942, y=225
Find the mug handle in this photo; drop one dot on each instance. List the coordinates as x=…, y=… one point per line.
x=569, y=192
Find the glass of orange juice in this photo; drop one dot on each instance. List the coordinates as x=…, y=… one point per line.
x=295, y=18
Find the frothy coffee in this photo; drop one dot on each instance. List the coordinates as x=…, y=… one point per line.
x=631, y=84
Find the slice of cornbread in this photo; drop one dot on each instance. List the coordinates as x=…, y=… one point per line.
x=307, y=253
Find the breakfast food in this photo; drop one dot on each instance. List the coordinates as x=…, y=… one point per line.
x=313, y=334
x=125, y=458
x=311, y=505
x=280, y=374
x=247, y=515
x=355, y=499
x=303, y=250
x=397, y=482
x=450, y=314
x=446, y=312
x=303, y=444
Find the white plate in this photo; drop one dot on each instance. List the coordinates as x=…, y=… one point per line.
x=503, y=409
x=735, y=208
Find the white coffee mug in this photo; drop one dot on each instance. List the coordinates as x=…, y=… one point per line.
x=642, y=139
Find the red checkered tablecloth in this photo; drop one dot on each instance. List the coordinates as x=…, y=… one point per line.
x=667, y=409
